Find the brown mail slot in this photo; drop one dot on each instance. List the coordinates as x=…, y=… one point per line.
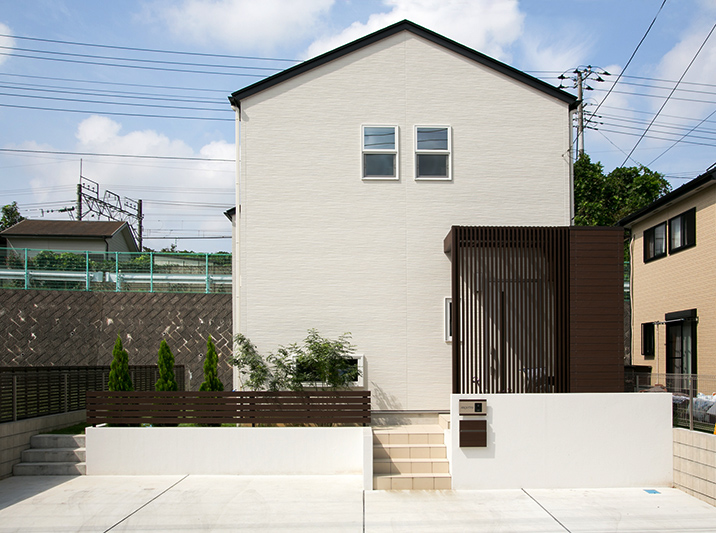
x=473, y=433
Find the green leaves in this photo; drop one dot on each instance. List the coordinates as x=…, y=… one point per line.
x=317, y=362
x=211, y=378
x=165, y=362
x=119, y=378
x=10, y=216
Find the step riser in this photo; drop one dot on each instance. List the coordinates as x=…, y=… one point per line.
x=409, y=467
x=411, y=483
x=57, y=441
x=409, y=452
x=53, y=456
x=49, y=469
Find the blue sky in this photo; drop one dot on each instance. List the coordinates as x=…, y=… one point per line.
x=184, y=198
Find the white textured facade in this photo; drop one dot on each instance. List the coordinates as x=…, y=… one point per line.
x=320, y=247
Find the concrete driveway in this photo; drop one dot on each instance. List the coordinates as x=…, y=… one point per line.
x=330, y=503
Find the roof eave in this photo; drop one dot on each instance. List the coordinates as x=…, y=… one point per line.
x=704, y=180
x=404, y=25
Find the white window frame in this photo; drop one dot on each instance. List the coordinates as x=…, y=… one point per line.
x=448, y=315
x=447, y=152
x=364, y=151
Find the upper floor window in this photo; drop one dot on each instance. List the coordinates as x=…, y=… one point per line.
x=682, y=231
x=655, y=242
x=432, y=152
x=380, y=152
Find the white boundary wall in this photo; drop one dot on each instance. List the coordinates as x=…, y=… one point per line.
x=566, y=441
x=235, y=451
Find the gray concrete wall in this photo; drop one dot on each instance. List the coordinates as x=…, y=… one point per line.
x=695, y=464
x=44, y=328
x=15, y=436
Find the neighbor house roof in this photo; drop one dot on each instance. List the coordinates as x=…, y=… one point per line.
x=64, y=228
x=420, y=31
x=686, y=190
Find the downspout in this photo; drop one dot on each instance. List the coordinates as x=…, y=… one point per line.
x=571, y=168
x=235, y=242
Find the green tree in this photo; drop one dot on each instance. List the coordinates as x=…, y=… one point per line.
x=10, y=216
x=119, y=378
x=603, y=199
x=211, y=378
x=166, y=381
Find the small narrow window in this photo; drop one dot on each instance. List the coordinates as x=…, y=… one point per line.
x=655, y=242
x=448, y=319
x=432, y=152
x=682, y=231
x=647, y=339
x=380, y=152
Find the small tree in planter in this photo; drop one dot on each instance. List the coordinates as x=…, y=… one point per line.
x=119, y=378
x=211, y=378
x=165, y=362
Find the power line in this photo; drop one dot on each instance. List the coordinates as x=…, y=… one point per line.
x=55, y=152
x=630, y=59
x=670, y=94
x=101, y=64
x=115, y=113
x=153, y=50
x=683, y=137
x=136, y=60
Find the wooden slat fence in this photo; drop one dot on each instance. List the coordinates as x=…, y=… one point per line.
x=29, y=392
x=238, y=407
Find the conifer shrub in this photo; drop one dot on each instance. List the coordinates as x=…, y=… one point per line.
x=165, y=362
x=211, y=378
x=119, y=378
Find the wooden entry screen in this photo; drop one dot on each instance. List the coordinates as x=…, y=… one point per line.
x=537, y=309
x=510, y=294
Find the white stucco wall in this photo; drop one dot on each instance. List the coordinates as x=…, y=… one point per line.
x=567, y=441
x=321, y=248
x=236, y=451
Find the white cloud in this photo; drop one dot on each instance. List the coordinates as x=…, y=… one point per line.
x=541, y=52
x=489, y=26
x=249, y=24
x=7, y=42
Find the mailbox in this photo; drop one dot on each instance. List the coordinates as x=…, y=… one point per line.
x=472, y=408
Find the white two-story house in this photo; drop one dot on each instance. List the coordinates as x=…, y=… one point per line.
x=352, y=168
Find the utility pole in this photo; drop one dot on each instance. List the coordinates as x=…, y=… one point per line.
x=578, y=76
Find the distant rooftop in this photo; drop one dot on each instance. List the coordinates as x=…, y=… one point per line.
x=63, y=228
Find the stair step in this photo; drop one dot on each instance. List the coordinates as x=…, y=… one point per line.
x=49, y=469
x=409, y=451
x=53, y=455
x=57, y=441
x=410, y=466
x=412, y=482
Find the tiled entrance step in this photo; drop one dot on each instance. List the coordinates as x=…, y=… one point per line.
x=53, y=455
x=410, y=457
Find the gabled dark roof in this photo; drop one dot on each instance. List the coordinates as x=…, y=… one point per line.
x=63, y=228
x=704, y=180
x=230, y=213
x=404, y=25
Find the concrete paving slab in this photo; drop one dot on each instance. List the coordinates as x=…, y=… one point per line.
x=452, y=511
x=330, y=503
x=661, y=509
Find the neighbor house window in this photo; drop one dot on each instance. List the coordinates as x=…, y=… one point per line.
x=432, y=152
x=682, y=231
x=380, y=152
x=655, y=242
x=647, y=339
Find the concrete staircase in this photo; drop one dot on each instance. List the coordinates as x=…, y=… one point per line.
x=411, y=457
x=53, y=455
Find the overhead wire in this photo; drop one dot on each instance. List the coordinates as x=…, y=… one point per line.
x=670, y=94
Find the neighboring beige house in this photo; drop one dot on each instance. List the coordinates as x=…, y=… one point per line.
x=75, y=235
x=352, y=169
x=673, y=295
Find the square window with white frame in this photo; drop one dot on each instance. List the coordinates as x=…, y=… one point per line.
x=379, y=152
x=433, y=153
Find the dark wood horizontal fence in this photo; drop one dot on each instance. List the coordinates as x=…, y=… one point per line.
x=29, y=392
x=238, y=407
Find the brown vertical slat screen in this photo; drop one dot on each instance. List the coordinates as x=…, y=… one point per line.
x=510, y=309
